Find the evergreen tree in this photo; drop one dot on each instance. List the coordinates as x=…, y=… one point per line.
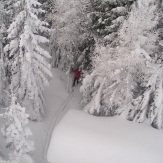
x=106, y=17
x=70, y=40
x=28, y=66
x=126, y=78
x=50, y=10
x=2, y=42
x=16, y=132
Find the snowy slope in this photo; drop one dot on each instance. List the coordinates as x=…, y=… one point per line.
x=82, y=138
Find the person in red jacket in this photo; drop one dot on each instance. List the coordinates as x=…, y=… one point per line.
x=76, y=76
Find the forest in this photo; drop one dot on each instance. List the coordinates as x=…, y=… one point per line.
x=115, y=45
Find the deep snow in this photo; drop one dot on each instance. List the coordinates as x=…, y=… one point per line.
x=82, y=138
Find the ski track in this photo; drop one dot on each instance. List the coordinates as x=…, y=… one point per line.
x=56, y=117
x=58, y=103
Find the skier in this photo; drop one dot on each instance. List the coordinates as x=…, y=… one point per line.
x=76, y=76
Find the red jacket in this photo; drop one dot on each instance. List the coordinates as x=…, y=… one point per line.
x=76, y=73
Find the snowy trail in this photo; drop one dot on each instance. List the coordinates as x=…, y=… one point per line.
x=56, y=118
x=67, y=104
x=55, y=96
x=58, y=103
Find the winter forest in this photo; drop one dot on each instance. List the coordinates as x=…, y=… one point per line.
x=81, y=81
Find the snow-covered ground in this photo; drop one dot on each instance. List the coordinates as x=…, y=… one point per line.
x=82, y=138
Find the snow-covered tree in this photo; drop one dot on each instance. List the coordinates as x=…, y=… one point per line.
x=17, y=133
x=148, y=103
x=2, y=36
x=70, y=37
x=107, y=16
x=50, y=10
x=127, y=79
x=1, y=27
x=27, y=59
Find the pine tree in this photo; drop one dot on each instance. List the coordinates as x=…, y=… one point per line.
x=49, y=7
x=70, y=39
x=126, y=78
x=27, y=59
x=107, y=16
x=16, y=132
x=2, y=41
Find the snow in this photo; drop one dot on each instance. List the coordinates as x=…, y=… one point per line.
x=119, y=10
x=82, y=138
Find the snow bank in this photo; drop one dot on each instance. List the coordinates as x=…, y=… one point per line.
x=82, y=138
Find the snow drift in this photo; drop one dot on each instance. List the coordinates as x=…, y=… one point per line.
x=82, y=138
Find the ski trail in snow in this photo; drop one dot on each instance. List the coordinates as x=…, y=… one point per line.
x=58, y=103
x=59, y=112
x=72, y=102
x=54, y=122
x=56, y=97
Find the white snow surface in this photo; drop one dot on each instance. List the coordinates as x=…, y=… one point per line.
x=83, y=138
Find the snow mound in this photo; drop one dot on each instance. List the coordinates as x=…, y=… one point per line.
x=82, y=138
